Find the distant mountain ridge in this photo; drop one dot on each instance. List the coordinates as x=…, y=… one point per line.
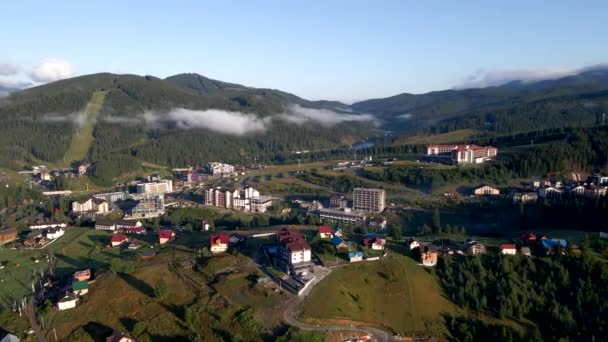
x=575, y=100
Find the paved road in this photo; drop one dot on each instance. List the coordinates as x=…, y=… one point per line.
x=289, y=317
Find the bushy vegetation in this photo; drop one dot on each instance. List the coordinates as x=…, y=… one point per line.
x=564, y=296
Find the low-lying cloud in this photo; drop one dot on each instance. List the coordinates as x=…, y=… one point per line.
x=233, y=123
x=486, y=78
x=405, y=116
x=299, y=115
x=77, y=118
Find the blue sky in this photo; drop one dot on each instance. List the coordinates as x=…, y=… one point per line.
x=345, y=50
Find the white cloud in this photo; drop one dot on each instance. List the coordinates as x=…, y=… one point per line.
x=8, y=69
x=486, y=78
x=299, y=115
x=234, y=123
x=405, y=116
x=51, y=69
x=77, y=118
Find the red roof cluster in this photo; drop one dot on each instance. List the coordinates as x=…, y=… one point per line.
x=370, y=241
x=325, y=229
x=217, y=239
x=293, y=240
x=166, y=234
x=287, y=235
x=118, y=238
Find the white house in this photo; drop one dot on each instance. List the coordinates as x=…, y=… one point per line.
x=325, y=232
x=67, y=302
x=299, y=251
x=549, y=192
x=355, y=256
x=508, y=249
x=218, y=243
x=486, y=191
x=54, y=233
x=413, y=244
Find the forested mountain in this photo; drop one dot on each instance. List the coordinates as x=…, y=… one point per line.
x=517, y=106
x=188, y=119
x=183, y=120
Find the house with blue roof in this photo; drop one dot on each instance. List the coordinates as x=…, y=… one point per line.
x=355, y=256
x=338, y=242
x=551, y=244
x=338, y=232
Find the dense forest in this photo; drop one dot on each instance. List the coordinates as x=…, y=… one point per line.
x=564, y=296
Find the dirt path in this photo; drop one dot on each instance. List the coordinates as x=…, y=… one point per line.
x=289, y=315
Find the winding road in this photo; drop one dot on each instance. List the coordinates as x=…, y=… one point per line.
x=290, y=318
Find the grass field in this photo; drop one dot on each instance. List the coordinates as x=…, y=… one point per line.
x=119, y=301
x=81, y=141
x=79, y=248
x=394, y=293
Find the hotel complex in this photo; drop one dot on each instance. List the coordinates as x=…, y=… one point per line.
x=460, y=154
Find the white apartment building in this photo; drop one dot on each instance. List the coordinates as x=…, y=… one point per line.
x=367, y=199
x=112, y=196
x=91, y=205
x=216, y=168
x=247, y=199
x=163, y=186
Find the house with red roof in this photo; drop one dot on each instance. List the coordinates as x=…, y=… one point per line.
x=118, y=240
x=375, y=243
x=218, y=243
x=165, y=235
x=508, y=249
x=295, y=250
x=325, y=232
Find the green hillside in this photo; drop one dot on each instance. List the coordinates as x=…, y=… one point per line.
x=514, y=107
x=128, y=121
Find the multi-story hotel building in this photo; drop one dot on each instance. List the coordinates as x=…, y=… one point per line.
x=367, y=199
x=155, y=188
x=461, y=154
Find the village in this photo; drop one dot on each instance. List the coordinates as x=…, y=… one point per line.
x=346, y=228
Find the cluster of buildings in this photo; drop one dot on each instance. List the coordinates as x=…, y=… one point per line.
x=337, y=239
x=41, y=174
x=213, y=170
x=247, y=199
x=366, y=202
x=595, y=186
x=460, y=154
x=527, y=244
x=79, y=287
x=149, y=197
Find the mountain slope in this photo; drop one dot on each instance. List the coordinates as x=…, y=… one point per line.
x=576, y=100
x=141, y=119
